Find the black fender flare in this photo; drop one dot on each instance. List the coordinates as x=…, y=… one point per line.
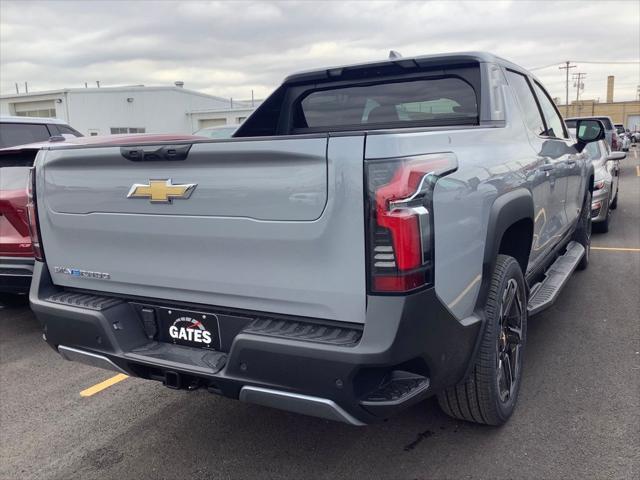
x=506, y=210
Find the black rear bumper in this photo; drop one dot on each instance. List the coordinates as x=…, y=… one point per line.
x=15, y=274
x=410, y=348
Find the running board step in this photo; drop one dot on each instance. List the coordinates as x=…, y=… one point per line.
x=544, y=294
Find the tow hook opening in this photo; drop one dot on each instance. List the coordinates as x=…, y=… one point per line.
x=172, y=380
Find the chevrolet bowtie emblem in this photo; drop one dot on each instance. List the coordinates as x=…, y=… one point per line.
x=161, y=191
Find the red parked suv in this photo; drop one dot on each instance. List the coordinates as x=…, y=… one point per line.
x=16, y=251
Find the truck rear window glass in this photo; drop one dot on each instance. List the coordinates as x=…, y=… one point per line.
x=441, y=101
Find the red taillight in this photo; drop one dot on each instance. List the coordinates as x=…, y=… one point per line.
x=614, y=142
x=32, y=213
x=401, y=219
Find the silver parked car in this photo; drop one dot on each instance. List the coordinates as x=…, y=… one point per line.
x=605, y=183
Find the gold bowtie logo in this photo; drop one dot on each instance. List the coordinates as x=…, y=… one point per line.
x=161, y=191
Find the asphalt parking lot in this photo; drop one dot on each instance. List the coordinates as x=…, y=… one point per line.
x=578, y=414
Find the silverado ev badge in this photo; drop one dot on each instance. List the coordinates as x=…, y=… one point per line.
x=76, y=272
x=161, y=191
x=190, y=329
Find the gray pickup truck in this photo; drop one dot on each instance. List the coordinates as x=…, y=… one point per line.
x=372, y=235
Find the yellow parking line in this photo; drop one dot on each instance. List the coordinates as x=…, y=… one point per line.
x=638, y=170
x=617, y=249
x=102, y=385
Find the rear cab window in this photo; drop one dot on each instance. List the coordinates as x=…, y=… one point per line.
x=441, y=102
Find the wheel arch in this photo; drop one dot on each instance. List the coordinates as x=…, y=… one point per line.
x=513, y=214
x=513, y=209
x=511, y=217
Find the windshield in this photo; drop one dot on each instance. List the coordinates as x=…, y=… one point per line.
x=217, y=132
x=593, y=150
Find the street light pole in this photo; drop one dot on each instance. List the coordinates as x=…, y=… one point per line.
x=567, y=67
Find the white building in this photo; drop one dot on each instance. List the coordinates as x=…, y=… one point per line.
x=132, y=109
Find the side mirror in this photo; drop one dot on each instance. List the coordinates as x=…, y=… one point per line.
x=614, y=156
x=588, y=130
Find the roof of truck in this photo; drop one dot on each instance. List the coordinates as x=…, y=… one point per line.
x=443, y=59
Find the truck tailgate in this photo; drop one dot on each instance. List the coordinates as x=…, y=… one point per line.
x=271, y=225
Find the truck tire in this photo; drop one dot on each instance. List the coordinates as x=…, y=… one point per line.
x=490, y=392
x=582, y=234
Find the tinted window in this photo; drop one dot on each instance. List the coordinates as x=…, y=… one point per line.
x=607, y=122
x=65, y=129
x=571, y=123
x=12, y=134
x=551, y=115
x=443, y=101
x=528, y=105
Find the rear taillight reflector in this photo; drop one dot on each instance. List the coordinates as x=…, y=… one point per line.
x=32, y=213
x=400, y=219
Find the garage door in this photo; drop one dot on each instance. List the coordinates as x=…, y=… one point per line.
x=633, y=122
x=212, y=122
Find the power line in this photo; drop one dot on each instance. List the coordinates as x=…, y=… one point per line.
x=586, y=61
x=610, y=63
x=544, y=66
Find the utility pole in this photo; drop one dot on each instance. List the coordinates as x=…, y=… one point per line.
x=567, y=67
x=579, y=84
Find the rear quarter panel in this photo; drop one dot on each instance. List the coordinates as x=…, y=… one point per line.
x=491, y=162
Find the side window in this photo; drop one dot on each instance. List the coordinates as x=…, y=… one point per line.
x=554, y=122
x=530, y=110
x=68, y=130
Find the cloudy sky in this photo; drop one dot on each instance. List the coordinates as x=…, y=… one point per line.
x=229, y=48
